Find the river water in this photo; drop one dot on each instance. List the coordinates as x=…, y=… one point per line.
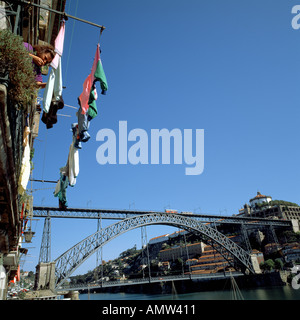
x=269, y=293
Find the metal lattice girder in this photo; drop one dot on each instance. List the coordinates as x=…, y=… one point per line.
x=42, y=212
x=45, y=251
x=66, y=264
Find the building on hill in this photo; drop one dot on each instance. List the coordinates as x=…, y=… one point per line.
x=259, y=199
x=183, y=252
x=159, y=239
x=262, y=206
x=291, y=252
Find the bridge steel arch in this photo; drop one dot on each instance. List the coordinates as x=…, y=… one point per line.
x=69, y=261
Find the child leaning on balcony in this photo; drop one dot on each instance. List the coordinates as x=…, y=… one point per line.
x=41, y=56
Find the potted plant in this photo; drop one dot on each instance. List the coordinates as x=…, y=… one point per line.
x=16, y=69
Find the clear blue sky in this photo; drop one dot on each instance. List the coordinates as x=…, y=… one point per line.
x=229, y=67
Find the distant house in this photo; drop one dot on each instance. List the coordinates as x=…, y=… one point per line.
x=271, y=248
x=185, y=252
x=291, y=252
x=259, y=255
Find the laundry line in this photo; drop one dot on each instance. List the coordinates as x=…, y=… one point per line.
x=64, y=14
x=76, y=108
x=66, y=105
x=66, y=115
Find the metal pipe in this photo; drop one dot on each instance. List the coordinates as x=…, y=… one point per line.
x=61, y=13
x=43, y=181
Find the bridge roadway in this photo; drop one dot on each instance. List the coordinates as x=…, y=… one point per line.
x=130, y=282
x=111, y=214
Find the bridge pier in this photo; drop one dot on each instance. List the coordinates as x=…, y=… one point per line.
x=72, y=295
x=45, y=276
x=255, y=264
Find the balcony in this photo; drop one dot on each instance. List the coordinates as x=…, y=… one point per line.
x=35, y=26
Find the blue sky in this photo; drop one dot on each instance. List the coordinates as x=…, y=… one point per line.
x=228, y=67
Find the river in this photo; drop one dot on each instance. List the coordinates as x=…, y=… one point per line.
x=269, y=293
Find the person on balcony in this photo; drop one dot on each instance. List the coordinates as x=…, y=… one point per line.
x=41, y=56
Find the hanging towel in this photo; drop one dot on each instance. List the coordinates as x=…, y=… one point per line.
x=89, y=96
x=61, y=190
x=25, y=168
x=53, y=90
x=73, y=165
x=71, y=169
x=54, y=85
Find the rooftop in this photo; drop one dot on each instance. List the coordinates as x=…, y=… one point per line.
x=259, y=196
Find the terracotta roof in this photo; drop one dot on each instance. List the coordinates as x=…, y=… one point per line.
x=165, y=235
x=259, y=196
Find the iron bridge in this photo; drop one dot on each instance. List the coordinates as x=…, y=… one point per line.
x=69, y=261
x=111, y=214
x=161, y=279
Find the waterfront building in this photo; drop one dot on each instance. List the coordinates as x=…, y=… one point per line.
x=209, y=262
x=259, y=256
x=164, y=266
x=291, y=252
x=271, y=248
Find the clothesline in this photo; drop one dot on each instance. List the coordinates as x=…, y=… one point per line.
x=66, y=105
x=76, y=108
x=87, y=111
x=64, y=115
x=62, y=14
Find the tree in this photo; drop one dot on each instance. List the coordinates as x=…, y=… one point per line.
x=270, y=264
x=291, y=236
x=278, y=264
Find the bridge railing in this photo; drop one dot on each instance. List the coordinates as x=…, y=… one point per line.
x=78, y=213
x=125, y=282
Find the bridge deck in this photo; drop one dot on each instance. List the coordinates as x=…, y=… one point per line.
x=108, y=284
x=79, y=213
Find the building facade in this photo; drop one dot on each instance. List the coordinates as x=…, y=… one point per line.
x=262, y=206
x=25, y=20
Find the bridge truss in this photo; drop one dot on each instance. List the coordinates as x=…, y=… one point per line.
x=110, y=214
x=68, y=262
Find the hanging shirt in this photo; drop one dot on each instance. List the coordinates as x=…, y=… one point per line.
x=61, y=190
x=89, y=95
x=71, y=170
x=25, y=167
x=85, y=95
x=73, y=164
x=53, y=90
x=54, y=85
x=59, y=46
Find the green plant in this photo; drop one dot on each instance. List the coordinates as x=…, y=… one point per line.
x=268, y=265
x=278, y=264
x=16, y=63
